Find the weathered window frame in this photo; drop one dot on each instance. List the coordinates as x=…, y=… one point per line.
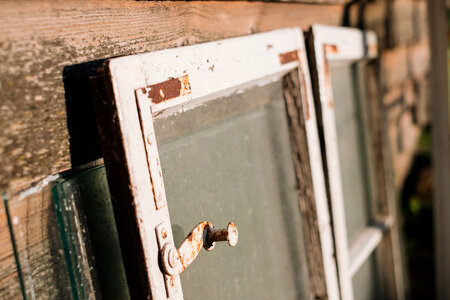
x=329, y=44
x=201, y=73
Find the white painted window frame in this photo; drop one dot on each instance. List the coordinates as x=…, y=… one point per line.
x=214, y=69
x=330, y=44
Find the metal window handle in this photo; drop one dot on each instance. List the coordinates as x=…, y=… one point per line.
x=175, y=261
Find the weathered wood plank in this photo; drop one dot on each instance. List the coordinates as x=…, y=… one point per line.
x=43, y=95
x=49, y=49
x=300, y=155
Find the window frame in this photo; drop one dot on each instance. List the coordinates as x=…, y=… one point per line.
x=331, y=44
x=125, y=125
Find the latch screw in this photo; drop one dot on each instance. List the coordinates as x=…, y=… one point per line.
x=230, y=234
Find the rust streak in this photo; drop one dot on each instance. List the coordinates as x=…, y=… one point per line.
x=288, y=57
x=169, y=89
x=327, y=77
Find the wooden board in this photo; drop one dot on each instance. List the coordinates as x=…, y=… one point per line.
x=312, y=196
x=49, y=49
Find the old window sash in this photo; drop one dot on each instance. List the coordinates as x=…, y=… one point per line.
x=190, y=76
x=336, y=45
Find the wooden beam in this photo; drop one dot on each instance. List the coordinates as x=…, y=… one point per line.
x=49, y=49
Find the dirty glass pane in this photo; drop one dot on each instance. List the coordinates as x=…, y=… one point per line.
x=67, y=248
x=351, y=133
x=49, y=242
x=356, y=166
x=366, y=281
x=36, y=267
x=88, y=193
x=230, y=160
x=72, y=229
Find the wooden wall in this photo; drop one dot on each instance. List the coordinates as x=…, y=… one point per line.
x=41, y=44
x=48, y=50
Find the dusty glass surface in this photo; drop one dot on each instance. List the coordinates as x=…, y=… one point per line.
x=90, y=189
x=356, y=167
x=83, y=209
x=231, y=161
x=352, y=138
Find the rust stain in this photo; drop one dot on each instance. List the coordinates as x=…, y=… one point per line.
x=191, y=246
x=329, y=48
x=164, y=233
x=288, y=57
x=328, y=87
x=169, y=89
x=373, y=48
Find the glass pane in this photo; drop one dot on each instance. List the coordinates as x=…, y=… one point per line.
x=352, y=146
x=366, y=284
x=231, y=161
x=49, y=240
x=356, y=167
x=88, y=190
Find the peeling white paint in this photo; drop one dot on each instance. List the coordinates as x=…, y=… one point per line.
x=38, y=187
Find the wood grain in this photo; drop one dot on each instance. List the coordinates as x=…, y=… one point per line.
x=38, y=249
x=300, y=158
x=49, y=49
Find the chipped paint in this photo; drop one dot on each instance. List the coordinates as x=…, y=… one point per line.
x=329, y=48
x=169, y=89
x=151, y=147
x=303, y=90
x=288, y=57
x=38, y=187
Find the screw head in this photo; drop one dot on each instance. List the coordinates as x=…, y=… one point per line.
x=170, y=259
x=233, y=234
x=173, y=257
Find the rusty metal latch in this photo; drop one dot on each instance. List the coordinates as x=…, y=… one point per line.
x=174, y=261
